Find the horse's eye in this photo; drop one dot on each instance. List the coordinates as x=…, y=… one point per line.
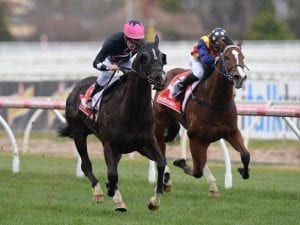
x=145, y=58
x=226, y=57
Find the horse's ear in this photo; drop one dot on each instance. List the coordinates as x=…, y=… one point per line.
x=156, y=40
x=164, y=58
x=240, y=42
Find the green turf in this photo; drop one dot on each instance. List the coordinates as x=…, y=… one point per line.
x=46, y=191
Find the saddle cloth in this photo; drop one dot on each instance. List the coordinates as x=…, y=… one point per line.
x=166, y=98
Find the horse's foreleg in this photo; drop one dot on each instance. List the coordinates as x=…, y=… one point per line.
x=112, y=159
x=237, y=143
x=159, y=134
x=152, y=152
x=211, y=180
x=181, y=163
x=86, y=166
x=199, y=156
x=155, y=200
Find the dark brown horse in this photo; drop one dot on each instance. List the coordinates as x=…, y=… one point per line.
x=210, y=115
x=125, y=123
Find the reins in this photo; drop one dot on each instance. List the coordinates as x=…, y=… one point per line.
x=223, y=65
x=108, y=82
x=140, y=70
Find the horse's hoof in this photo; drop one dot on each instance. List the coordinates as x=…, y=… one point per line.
x=121, y=207
x=243, y=173
x=98, y=193
x=179, y=162
x=167, y=188
x=152, y=207
x=121, y=210
x=213, y=194
x=99, y=198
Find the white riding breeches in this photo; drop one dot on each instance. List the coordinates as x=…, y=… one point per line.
x=104, y=76
x=196, y=67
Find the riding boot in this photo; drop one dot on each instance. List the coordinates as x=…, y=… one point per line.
x=180, y=87
x=97, y=88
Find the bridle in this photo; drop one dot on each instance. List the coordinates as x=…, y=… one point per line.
x=146, y=74
x=225, y=71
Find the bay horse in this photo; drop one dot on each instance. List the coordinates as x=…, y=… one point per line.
x=210, y=115
x=125, y=123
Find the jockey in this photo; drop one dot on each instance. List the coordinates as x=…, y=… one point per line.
x=203, y=58
x=118, y=50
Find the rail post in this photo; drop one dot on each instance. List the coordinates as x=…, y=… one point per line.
x=15, y=160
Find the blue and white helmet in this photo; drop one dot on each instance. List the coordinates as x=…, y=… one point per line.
x=218, y=34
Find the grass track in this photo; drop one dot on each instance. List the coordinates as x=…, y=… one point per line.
x=46, y=191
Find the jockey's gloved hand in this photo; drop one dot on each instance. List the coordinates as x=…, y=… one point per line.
x=112, y=67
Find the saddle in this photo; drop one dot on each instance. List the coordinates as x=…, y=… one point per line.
x=91, y=111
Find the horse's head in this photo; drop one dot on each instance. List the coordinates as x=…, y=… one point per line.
x=149, y=64
x=232, y=64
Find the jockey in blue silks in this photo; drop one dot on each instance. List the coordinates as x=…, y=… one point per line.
x=202, y=58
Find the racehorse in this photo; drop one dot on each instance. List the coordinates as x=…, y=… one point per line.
x=125, y=123
x=210, y=115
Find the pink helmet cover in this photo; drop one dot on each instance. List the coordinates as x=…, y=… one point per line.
x=134, y=29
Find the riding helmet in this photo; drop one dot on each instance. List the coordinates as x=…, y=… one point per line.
x=219, y=34
x=134, y=29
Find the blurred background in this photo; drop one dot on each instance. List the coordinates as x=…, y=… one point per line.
x=46, y=46
x=93, y=20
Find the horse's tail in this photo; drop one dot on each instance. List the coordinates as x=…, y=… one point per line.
x=65, y=131
x=171, y=132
